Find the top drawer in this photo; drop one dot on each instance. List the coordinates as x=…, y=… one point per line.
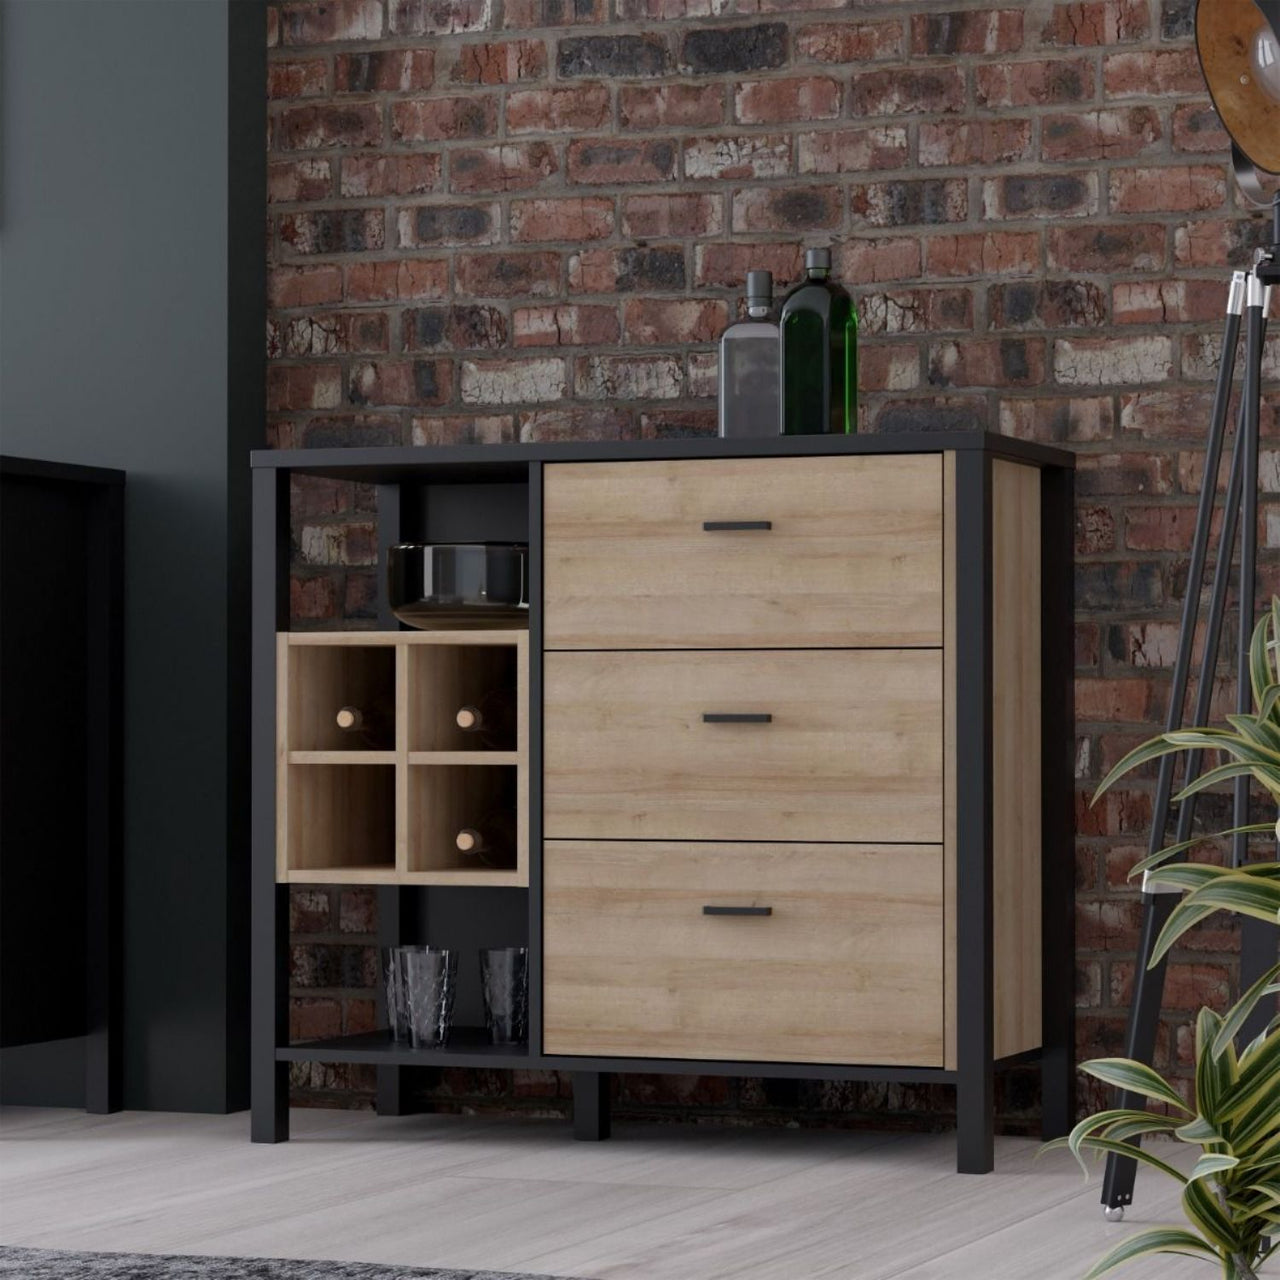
x=849, y=555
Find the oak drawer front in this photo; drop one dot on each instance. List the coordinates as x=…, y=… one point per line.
x=852, y=555
x=845, y=968
x=851, y=749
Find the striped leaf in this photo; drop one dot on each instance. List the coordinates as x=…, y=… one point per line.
x=1154, y=1240
x=1133, y=1077
x=1239, y=1013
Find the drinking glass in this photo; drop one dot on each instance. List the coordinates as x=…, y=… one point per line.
x=431, y=982
x=504, y=977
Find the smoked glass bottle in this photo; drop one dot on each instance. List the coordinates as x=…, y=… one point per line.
x=492, y=719
x=749, y=366
x=819, y=348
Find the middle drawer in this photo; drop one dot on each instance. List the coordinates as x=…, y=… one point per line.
x=844, y=745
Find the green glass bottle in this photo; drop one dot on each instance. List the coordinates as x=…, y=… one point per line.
x=819, y=353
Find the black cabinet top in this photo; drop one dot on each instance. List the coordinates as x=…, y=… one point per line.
x=492, y=461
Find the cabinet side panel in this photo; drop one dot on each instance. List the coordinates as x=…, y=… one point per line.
x=1016, y=855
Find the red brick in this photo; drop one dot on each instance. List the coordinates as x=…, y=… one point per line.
x=565, y=325
x=576, y=219
x=1046, y=304
x=1196, y=127
x=974, y=31
x=273, y=28
x=312, y=127
x=1095, y=531
x=639, y=268
x=439, y=17
x=385, y=71
x=577, y=424
x=1159, y=528
x=448, y=224
x=801, y=209
x=401, y=280
x=1059, y=195
x=311, y=23
x=907, y=92
x=668, y=424
x=1164, y=414
x=899, y=204
x=297, y=181
x=309, y=909
x=1117, y=133
x=314, y=1019
x=901, y=311
x=768, y=101
x=299, y=78
x=1078, y=420
x=325, y=333
x=1154, y=73
x=471, y=429
x=888, y=367
x=752, y=156
x=653, y=322
x=661, y=106
x=1213, y=243
x=1187, y=987
x=672, y=215
x=703, y=375
x=359, y=1017
x=726, y=265
x=864, y=262
x=583, y=106
x=1099, y=22
x=501, y=382
x=511, y=62
x=1167, y=301
x=456, y=328
x=1001, y=362
x=602, y=377
x=303, y=386
x=1112, y=361
x=508, y=275
x=510, y=167
x=1124, y=474
x=552, y=13
x=1175, y=188
x=434, y=119
x=853, y=150
x=974, y=142
x=400, y=382
x=304, y=286
x=395, y=175
x=1034, y=84
x=1125, y=247
x=981, y=253
x=615, y=160
x=851, y=42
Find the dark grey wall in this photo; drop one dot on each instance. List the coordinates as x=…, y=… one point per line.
x=113, y=352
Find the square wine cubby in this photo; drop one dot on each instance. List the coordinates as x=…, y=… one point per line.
x=403, y=757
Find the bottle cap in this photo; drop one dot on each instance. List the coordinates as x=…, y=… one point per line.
x=759, y=288
x=817, y=259
x=468, y=841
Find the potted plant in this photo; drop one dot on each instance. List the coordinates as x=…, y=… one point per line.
x=1231, y=1197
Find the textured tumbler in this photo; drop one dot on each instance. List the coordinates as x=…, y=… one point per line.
x=430, y=975
x=504, y=976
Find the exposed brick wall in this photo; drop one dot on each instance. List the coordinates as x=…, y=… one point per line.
x=500, y=220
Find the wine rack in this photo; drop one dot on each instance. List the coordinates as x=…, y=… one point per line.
x=384, y=803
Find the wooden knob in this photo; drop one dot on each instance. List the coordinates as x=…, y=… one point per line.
x=350, y=718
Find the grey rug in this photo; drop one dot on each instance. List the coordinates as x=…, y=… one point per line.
x=55, y=1264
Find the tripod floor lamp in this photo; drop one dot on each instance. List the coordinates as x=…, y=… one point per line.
x=1239, y=47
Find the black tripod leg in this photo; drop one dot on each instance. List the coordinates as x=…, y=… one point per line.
x=1148, y=992
x=1257, y=937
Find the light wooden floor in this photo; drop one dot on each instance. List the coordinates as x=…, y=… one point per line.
x=665, y=1203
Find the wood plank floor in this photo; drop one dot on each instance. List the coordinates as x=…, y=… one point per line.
x=654, y=1203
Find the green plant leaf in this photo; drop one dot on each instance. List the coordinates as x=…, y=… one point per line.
x=1119, y=1124
x=1153, y=1240
x=1202, y=1207
x=1199, y=1132
x=1152, y=749
x=1214, y=1076
x=1134, y=1077
x=1130, y=1152
x=1211, y=1162
x=1253, y=895
x=1153, y=860
x=1239, y=1012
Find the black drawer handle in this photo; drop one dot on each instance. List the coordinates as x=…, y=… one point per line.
x=737, y=911
x=736, y=717
x=736, y=526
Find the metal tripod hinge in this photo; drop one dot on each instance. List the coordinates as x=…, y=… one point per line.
x=1248, y=301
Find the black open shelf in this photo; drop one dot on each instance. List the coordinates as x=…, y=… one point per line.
x=467, y=1047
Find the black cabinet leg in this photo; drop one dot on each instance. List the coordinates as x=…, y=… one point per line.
x=591, y=1105
x=1057, y=1093
x=975, y=1122
x=269, y=1117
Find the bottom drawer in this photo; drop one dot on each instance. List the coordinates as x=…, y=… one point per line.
x=845, y=968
